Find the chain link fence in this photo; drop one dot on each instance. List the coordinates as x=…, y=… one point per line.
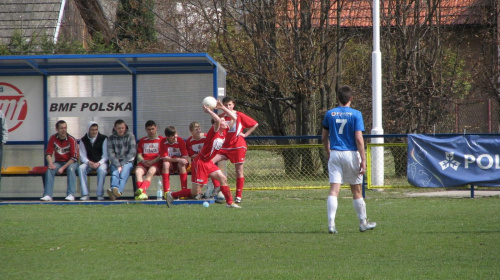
x=294, y=165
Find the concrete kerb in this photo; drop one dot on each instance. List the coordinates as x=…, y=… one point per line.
x=455, y=193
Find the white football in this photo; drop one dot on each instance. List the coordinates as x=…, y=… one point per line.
x=210, y=102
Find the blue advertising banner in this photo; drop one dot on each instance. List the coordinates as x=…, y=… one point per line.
x=453, y=161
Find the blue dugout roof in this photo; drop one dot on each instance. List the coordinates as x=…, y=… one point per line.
x=106, y=64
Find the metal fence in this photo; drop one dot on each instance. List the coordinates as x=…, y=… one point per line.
x=294, y=165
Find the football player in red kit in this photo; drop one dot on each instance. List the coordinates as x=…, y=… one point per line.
x=235, y=147
x=202, y=163
x=194, y=143
x=148, y=158
x=175, y=158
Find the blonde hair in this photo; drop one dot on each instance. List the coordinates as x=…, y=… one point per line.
x=193, y=125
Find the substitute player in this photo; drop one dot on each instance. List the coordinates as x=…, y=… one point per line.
x=175, y=158
x=235, y=147
x=343, y=142
x=202, y=163
x=194, y=143
x=149, y=160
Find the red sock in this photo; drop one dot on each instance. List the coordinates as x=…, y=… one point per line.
x=166, y=181
x=239, y=186
x=145, y=185
x=182, y=193
x=227, y=194
x=138, y=184
x=184, y=180
x=216, y=183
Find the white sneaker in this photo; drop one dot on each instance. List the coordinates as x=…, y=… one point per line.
x=238, y=200
x=46, y=198
x=332, y=230
x=100, y=198
x=234, y=205
x=70, y=198
x=367, y=226
x=85, y=197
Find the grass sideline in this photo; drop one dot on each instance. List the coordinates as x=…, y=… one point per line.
x=277, y=235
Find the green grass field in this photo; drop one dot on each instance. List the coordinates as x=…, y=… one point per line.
x=277, y=235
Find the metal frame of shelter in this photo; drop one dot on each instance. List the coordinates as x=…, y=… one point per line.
x=109, y=64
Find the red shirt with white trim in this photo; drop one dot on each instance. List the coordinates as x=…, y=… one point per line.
x=233, y=139
x=63, y=149
x=149, y=148
x=176, y=149
x=213, y=144
x=194, y=146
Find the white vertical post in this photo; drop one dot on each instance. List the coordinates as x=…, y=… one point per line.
x=59, y=20
x=377, y=152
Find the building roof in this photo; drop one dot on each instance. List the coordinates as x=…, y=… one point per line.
x=41, y=17
x=358, y=13
x=30, y=17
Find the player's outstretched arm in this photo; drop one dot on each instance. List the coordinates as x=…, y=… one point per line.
x=214, y=116
x=227, y=112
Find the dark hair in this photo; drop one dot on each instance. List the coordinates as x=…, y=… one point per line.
x=117, y=122
x=344, y=94
x=58, y=123
x=227, y=99
x=150, y=123
x=170, y=131
x=92, y=125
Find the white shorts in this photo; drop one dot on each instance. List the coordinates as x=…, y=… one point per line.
x=343, y=167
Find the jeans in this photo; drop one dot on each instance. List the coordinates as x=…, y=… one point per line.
x=84, y=169
x=70, y=176
x=119, y=179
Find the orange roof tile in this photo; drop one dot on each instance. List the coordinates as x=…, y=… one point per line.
x=358, y=13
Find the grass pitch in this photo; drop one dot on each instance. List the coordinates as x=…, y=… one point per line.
x=277, y=235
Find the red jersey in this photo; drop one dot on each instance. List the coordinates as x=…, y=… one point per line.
x=233, y=139
x=176, y=149
x=213, y=144
x=63, y=149
x=149, y=148
x=194, y=146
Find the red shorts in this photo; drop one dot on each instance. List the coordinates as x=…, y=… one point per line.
x=202, y=171
x=158, y=166
x=235, y=155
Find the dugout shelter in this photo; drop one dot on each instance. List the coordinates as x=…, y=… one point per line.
x=37, y=91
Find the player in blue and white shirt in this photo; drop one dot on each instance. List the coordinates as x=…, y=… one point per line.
x=343, y=142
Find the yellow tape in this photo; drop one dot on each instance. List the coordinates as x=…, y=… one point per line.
x=269, y=147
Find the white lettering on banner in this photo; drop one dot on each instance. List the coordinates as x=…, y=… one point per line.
x=13, y=108
x=469, y=159
x=13, y=104
x=20, y=100
x=490, y=160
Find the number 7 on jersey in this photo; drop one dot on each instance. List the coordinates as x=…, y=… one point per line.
x=342, y=124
